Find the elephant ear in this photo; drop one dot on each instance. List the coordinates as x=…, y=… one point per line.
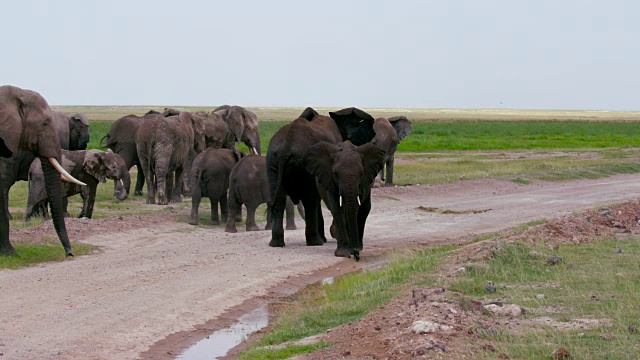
x=221, y=107
x=4, y=150
x=309, y=113
x=318, y=161
x=402, y=126
x=372, y=162
x=354, y=124
x=80, y=118
x=235, y=120
x=170, y=112
x=94, y=165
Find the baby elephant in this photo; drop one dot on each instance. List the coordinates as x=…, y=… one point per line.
x=210, y=178
x=88, y=166
x=248, y=185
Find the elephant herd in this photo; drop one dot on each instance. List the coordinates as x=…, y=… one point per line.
x=334, y=159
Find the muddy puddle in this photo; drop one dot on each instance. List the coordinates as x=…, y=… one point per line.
x=221, y=342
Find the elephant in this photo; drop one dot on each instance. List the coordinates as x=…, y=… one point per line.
x=26, y=124
x=210, y=178
x=243, y=124
x=163, y=145
x=288, y=175
x=248, y=185
x=217, y=135
x=121, y=138
x=90, y=166
x=389, y=133
x=345, y=175
x=73, y=133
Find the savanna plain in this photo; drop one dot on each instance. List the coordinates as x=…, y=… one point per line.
x=534, y=212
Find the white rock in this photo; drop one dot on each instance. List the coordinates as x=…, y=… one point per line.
x=511, y=310
x=424, y=327
x=540, y=296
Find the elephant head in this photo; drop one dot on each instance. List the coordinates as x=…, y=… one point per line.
x=196, y=123
x=78, y=132
x=346, y=172
x=243, y=124
x=402, y=125
x=354, y=124
x=26, y=124
x=107, y=165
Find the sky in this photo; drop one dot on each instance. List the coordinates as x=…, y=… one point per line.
x=515, y=54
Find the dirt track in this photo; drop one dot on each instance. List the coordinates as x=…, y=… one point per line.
x=152, y=282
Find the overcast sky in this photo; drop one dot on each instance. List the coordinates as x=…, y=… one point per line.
x=559, y=54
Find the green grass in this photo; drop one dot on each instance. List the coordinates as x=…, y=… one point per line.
x=29, y=254
x=599, y=284
x=425, y=171
x=348, y=299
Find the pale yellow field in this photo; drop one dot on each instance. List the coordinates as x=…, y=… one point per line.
x=290, y=113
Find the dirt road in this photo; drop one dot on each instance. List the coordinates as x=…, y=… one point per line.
x=154, y=281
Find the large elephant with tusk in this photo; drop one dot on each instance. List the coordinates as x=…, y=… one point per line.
x=26, y=124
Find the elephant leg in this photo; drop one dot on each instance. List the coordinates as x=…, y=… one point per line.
x=363, y=213
x=389, y=179
x=176, y=194
x=89, y=198
x=277, y=214
x=5, y=246
x=149, y=177
x=269, y=218
x=196, y=196
x=291, y=215
x=140, y=179
x=235, y=207
x=251, y=218
x=313, y=219
x=301, y=210
x=162, y=174
x=169, y=184
x=65, y=206
x=214, y=211
x=223, y=208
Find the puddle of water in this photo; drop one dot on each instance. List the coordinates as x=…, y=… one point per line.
x=221, y=341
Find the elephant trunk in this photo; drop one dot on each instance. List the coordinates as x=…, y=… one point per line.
x=350, y=208
x=53, y=186
x=120, y=192
x=256, y=144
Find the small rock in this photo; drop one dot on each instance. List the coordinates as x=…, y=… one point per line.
x=617, y=251
x=424, y=327
x=619, y=274
x=511, y=310
x=422, y=349
x=594, y=298
x=632, y=329
x=490, y=289
x=605, y=212
x=346, y=353
x=570, y=266
x=554, y=259
x=503, y=356
x=540, y=296
x=377, y=328
x=462, y=269
x=580, y=334
x=472, y=305
x=606, y=336
x=560, y=353
x=440, y=347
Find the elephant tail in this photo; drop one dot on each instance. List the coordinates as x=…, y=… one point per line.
x=196, y=175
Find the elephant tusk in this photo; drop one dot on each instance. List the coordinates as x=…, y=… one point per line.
x=254, y=151
x=64, y=178
x=340, y=201
x=359, y=204
x=64, y=172
x=121, y=182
